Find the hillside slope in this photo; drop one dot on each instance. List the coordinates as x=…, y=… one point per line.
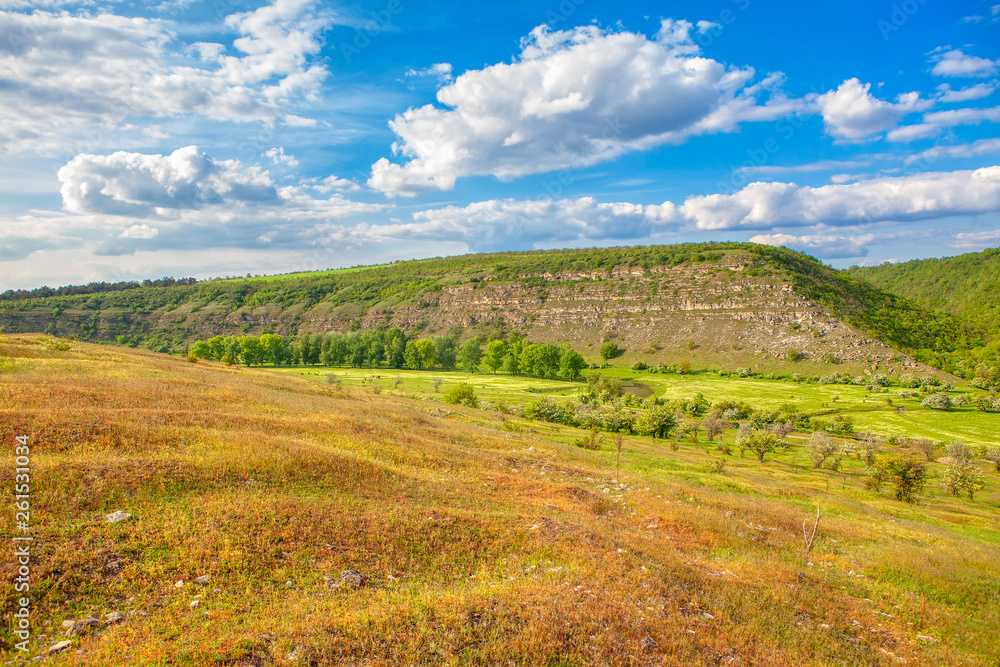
x=481, y=539
x=967, y=286
x=729, y=304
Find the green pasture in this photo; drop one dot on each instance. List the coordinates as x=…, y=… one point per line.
x=871, y=411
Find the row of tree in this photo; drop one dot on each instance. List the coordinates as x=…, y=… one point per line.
x=391, y=348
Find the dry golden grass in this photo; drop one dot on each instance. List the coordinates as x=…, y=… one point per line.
x=477, y=549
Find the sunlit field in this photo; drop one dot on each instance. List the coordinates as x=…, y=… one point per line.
x=478, y=537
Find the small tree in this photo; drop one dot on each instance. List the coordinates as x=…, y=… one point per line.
x=759, y=441
x=496, y=350
x=993, y=456
x=963, y=476
x=867, y=449
x=609, y=351
x=435, y=382
x=822, y=447
x=926, y=447
x=713, y=425
x=907, y=474
x=959, y=451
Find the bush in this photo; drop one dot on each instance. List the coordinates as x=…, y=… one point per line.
x=461, y=394
x=937, y=401
x=908, y=476
x=547, y=410
x=759, y=441
x=640, y=366
x=963, y=476
x=822, y=447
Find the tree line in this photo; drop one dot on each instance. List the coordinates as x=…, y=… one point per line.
x=392, y=348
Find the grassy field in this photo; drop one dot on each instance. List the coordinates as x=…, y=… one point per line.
x=483, y=538
x=870, y=411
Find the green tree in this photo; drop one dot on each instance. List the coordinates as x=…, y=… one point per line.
x=446, y=352
x=251, y=353
x=759, y=441
x=471, y=354
x=571, y=362
x=657, y=422
x=963, y=475
x=907, y=474
x=609, y=351
x=496, y=351
x=273, y=346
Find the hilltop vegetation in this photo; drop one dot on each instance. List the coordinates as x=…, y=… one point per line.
x=348, y=525
x=966, y=286
x=722, y=301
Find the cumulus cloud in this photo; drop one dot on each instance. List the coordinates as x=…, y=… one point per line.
x=851, y=113
x=64, y=70
x=278, y=156
x=821, y=246
x=974, y=241
x=500, y=224
x=905, y=198
x=955, y=63
x=572, y=99
x=137, y=185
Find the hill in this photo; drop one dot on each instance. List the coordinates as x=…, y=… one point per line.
x=966, y=286
x=714, y=304
x=277, y=521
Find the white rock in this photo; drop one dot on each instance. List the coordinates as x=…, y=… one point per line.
x=195, y=604
x=179, y=584
x=203, y=579
x=117, y=516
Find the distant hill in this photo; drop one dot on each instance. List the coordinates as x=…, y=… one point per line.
x=967, y=286
x=716, y=304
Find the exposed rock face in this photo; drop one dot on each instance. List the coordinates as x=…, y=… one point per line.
x=720, y=307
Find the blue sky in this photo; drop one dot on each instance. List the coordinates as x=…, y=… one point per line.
x=202, y=139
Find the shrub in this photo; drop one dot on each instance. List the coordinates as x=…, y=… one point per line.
x=822, y=447
x=461, y=394
x=908, y=476
x=759, y=441
x=937, y=401
x=713, y=425
x=548, y=410
x=640, y=366
x=926, y=447
x=963, y=476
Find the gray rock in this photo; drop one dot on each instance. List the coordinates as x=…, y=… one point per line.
x=353, y=578
x=117, y=516
x=61, y=646
x=203, y=579
x=113, y=618
x=649, y=644
x=83, y=626
x=67, y=625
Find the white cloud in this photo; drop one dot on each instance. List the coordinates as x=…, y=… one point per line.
x=64, y=71
x=335, y=184
x=138, y=185
x=142, y=231
x=974, y=241
x=822, y=165
x=954, y=63
x=905, y=198
x=440, y=71
x=572, y=99
x=278, y=156
x=981, y=147
x=946, y=95
x=508, y=224
x=933, y=124
x=821, y=246
x=851, y=113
